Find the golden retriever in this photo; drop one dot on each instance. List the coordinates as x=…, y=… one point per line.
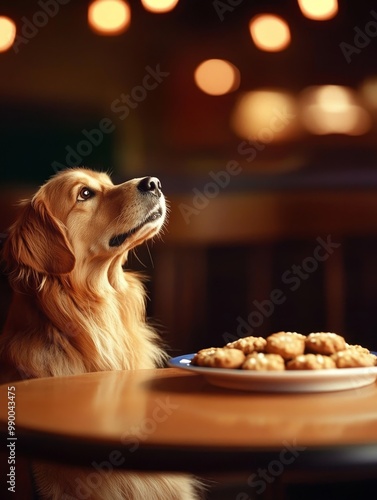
x=76, y=310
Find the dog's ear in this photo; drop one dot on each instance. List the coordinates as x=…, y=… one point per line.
x=38, y=241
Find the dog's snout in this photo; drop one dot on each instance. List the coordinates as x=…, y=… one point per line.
x=150, y=185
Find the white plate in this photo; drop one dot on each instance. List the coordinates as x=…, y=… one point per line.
x=339, y=379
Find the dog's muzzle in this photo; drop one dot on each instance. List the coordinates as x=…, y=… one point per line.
x=148, y=186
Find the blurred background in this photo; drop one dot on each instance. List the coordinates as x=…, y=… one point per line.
x=260, y=119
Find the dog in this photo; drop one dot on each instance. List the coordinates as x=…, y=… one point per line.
x=76, y=310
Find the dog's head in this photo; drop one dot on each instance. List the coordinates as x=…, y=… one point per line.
x=80, y=215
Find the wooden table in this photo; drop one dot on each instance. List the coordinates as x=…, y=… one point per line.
x=168, y=419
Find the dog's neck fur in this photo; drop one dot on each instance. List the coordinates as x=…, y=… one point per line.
x=103, y=318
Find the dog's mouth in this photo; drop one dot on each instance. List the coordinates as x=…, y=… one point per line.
x=119, y=239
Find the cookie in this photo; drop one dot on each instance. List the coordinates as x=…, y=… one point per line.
x=259, y=361
x=287, y=344
x=324, y=343
x=358, y=348
x=353, y=357
x=311, y=362
x=248, y=344
x=219, y=357
x=287, y=351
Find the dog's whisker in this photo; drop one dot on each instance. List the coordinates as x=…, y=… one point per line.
x=134, y=252
x=150, y=255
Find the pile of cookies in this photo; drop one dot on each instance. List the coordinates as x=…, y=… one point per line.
x=287, y=351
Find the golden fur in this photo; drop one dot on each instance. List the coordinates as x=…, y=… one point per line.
x=76, y=310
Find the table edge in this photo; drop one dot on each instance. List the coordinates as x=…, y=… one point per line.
x=193, y=459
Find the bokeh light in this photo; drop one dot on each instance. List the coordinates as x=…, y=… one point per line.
x=368, y=91
x=270, y=32
x=268, y=115
x=333, y=109
x=109, y=17
x=319, y=10
x=217, y=77
x=7, y=33
x=159, y=6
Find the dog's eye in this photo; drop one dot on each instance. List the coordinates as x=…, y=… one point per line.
x=84, y=194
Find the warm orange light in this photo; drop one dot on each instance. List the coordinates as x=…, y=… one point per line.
x=368, y=92
x=319, y=10
x=265, y=115
x=333, y=109
x=217, y=77
x=109, y=17
x=159, y=6
x=7, y=33
x=270, y=32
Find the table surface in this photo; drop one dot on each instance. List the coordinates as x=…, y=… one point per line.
x=168, y=419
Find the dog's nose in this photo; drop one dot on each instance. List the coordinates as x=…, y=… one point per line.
x=150, y=185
